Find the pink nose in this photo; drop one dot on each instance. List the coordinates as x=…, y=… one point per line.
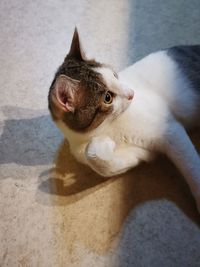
x=130, y=96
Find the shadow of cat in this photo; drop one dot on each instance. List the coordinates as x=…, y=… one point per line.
x=29, y=137
x=71, y=181
x=95, y=208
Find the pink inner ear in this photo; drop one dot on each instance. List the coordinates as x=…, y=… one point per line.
x=63, y=97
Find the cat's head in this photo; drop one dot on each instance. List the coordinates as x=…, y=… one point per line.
x=84, y=93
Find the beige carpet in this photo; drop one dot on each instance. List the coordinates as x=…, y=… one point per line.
x=53, y=211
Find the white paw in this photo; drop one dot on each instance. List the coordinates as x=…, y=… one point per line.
x=101, y=148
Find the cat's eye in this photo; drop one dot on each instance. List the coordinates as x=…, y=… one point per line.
x=108, y=98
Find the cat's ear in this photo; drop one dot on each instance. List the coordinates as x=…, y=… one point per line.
x=65, y=90
x=76, y=50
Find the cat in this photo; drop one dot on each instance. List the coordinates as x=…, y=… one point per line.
x=114, y=121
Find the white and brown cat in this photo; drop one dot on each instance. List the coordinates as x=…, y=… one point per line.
x=114, y=121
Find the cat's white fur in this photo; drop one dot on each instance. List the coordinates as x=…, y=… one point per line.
x=154, y=120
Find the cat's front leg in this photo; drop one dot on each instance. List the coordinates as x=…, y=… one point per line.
x=107, y=159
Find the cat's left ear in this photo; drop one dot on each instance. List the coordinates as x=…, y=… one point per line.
x=76, y=50
x=65, y=92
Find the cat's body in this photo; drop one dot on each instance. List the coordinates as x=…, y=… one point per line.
x=166, y=100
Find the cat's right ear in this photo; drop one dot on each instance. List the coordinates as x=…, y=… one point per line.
x=65, y=91
x=76, y=50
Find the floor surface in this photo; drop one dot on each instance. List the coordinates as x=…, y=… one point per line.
x=53, y=211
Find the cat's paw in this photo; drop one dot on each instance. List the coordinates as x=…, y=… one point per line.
x=100, y=148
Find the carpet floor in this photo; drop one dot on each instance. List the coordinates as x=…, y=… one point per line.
x=53, y=211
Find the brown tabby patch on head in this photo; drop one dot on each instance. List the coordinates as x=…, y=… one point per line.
x=89, y=112
x=88, y=109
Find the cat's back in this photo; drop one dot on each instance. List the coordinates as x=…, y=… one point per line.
x=187, y=60
x=163, y=68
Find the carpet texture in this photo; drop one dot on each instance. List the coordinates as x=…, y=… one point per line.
x=54, y=211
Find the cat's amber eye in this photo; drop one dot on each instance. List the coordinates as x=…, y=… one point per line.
x=108, y=98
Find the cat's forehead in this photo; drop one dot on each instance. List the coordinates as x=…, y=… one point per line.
x=86, y=71
x=108, y=77
x=106, y=72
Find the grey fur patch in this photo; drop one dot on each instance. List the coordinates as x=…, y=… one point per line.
x=188, y=61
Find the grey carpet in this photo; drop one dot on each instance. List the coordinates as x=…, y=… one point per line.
x=53, y=211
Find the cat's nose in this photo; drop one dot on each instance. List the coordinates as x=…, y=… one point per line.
x=130, y=96
x=127, y=92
